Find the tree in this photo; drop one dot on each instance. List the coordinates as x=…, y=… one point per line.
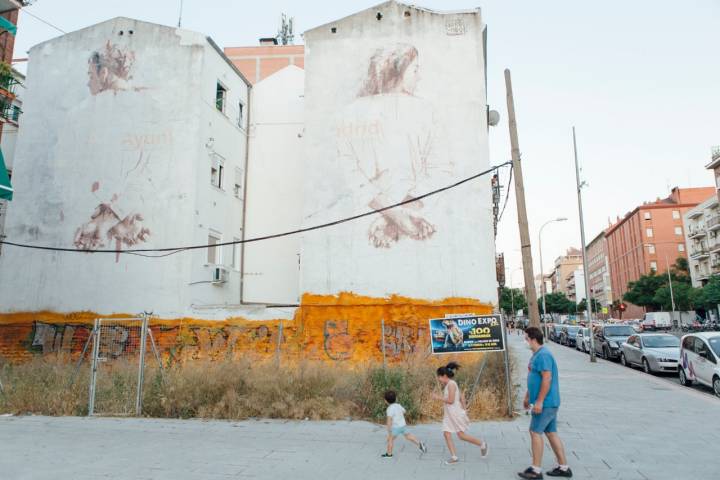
x=686, y=297
x=582, y=306
x=642, y=292
x=711, y=293
x=510, y=298
x=557, y=302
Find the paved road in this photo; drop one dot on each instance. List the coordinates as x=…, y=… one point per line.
x=616, y=423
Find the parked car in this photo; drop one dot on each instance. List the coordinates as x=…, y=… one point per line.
x=656, y=321
x=554, y=332
x=582, y=340
x=567, y=335
x=608, y=339
x=700, y=360
x=654, y=352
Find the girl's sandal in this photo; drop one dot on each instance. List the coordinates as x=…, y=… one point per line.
x=484, y=450
x=451, y=461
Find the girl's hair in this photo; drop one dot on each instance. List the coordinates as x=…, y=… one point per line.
x=448, y=370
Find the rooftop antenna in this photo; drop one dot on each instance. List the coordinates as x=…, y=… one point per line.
x=285, y=34
x=182, y=3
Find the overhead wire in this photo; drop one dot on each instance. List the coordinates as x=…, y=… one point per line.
x=26, y=11
x=165, y=252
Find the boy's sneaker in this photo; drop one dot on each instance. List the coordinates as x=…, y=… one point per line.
x=422, y=447
x=529, y=473
x=386, y=455
x=559, y=472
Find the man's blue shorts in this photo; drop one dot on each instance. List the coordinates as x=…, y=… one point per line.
x=545, y=421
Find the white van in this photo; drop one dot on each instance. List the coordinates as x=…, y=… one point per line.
x=657, y=321
x=700, y=360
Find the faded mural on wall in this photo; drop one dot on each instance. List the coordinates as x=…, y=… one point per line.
x=109, y=69
x=387, y=137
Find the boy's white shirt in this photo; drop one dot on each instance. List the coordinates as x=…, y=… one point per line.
x=396, y=412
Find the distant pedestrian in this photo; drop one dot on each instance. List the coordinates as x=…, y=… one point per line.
x=543, y=396
x=396, y=425
x=455, y=418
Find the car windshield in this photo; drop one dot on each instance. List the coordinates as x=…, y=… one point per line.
x=715, y=345
x=619, y=331
x=661, y=341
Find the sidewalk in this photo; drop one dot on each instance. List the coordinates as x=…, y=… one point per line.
x=616, y=424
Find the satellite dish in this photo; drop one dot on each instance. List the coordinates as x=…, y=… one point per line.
x=493, y=118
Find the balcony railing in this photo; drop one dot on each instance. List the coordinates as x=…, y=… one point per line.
x=715, y=152
x=697, y=231
x=713, y=223
x=699, y=251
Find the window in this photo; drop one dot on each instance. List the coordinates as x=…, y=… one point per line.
x=236, y=254
x=217, y=171
x=688, y=343
x=676, y=214
x=214, y=253
x=651, y=249
x=653, y=266
x=220, y=97
x=241, y=111
x=648, y=216
x=681, y=247
x=649, y=232
x=15, y=116
x=678, y=230
x=237, y=187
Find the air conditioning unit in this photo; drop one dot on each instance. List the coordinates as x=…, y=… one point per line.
x=219, y=275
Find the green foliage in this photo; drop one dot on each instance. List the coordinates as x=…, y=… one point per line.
x=512, y=297
x=582, y=306
x=558, y=302
x=686, y=297
x=711, y=293
x=642, y=292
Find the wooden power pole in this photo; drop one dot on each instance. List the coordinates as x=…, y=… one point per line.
x=528, y=274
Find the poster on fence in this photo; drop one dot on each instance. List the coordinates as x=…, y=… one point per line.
x=467, y=333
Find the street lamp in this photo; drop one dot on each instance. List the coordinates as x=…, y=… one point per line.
x=542, y=272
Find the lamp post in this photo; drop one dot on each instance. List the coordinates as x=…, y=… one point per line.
x=542, y=272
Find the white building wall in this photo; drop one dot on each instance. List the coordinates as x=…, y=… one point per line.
x=702, y=226
x=275, y=179
x=117, y=157
x=396, y=107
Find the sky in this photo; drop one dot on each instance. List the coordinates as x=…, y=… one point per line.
x=638, y=79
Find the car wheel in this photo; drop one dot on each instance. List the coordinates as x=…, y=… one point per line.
x=716, y=386
x=646, y=366
x=623, y=361
x=683, y=378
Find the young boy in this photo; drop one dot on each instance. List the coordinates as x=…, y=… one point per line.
x=396, y=425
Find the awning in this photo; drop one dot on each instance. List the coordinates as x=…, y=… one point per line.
x=6, y=24
x=6, y=190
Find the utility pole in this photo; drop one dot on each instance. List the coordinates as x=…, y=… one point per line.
x=672, y=296
x=181, y=13
x=586, y=279
x=528, y=275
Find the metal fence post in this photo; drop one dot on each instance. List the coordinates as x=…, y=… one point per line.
x=279, y=342
x=93, y=368
x=506, y=359
x=141, y=365
x=382, y=330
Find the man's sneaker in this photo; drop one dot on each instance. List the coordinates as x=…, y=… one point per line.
x=386, y=455
x=422, y=447
x=559, y=472
x=529, y=473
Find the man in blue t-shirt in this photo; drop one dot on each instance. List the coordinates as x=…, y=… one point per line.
x=543, y=396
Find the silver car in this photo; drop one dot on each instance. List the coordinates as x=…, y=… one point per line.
x=582, y=340
x=654, y=352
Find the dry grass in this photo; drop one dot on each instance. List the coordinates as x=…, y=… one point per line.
x=246, y=389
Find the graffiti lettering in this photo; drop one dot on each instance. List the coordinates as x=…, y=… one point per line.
x=337, y=341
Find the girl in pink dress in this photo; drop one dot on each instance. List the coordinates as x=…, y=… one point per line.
x=455, y=418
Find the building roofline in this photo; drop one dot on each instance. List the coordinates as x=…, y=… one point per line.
x=227, y=60
x=469, y=11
